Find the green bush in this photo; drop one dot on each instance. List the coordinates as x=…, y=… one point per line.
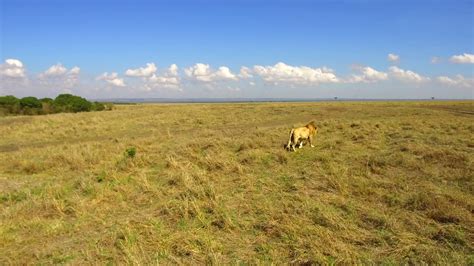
x=30, y=102
x=71, y=103
x=109, y=106
x=10, y=104
x=96, y=106
x=62, y=103
x=9, y=100
x=46, y=100
x=131, y=152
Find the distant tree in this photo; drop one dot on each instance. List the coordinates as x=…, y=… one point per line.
x=47, y=107
x=96, y=106
x=64, y=100
x=9, y=100
x=30, y=106
x=81, y=105
x=10, y=104
x=109, y=106
x=30, y=102
x=46, y=100
x=62, y=103
x=71, y=103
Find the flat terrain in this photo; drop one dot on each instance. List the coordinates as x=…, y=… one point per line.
x=388, y=182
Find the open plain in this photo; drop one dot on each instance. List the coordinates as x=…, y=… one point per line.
x=388, y=182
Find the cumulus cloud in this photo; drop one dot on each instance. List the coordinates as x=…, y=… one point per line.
x=173, y=70
x=54, y=70
x=367, y=75
x=297, y=75
x=245, y=73
x=146, y=71
x=204, y=73
x=462, y=59
x=393, y=58
x=406, y=75
x=112, y=79
x=457, y=81
x=170, y=80
x=163, y=81
x=75, y=70
x=12, y=68
x=58, y=75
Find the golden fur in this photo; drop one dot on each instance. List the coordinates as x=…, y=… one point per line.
x=298, y=135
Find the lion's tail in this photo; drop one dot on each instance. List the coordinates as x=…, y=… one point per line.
x=291, y=137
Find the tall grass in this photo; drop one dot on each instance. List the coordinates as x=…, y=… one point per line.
x=388, y=182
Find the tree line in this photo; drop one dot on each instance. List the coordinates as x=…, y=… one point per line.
x=63, y=103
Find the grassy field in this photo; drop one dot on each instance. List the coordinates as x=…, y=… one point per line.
x=388, y=182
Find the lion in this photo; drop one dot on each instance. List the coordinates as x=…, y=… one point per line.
x=300, y=134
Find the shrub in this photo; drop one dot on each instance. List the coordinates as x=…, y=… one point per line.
x=71, y=103
x=8, y=100
x=10, y=104
x=96, y=106
x=62, y=103
x=109, y=106
x=46, y=100
x=130, y=152
x=30, y=102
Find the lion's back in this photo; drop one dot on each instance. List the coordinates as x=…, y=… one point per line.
x=302, y=132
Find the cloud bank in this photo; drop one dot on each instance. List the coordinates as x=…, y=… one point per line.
x=298, y=75
x=204, y=79
x=462, y=59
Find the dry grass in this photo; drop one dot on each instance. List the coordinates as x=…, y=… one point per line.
x=388, y=182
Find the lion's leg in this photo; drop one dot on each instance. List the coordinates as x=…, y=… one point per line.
x=311, y=141
x=295, y=142
x=301, y=144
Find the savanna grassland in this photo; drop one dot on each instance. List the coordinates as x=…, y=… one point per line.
x=388, y=182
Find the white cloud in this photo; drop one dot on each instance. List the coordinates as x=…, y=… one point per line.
x=393, y=58
x=173, y=70
x=462, y=59
x=75, y=70
x=164, y=81
x=58, y=75
x=406, y=75
x=12, y=68
x=199, y=72
x=14, y=62
x=146, y=71
x=224, y=73
x=435, y=60
x=245, y=72
x=367, y=75
x=204, y=73
x=112, y=79
x=458, y=81
x=169, y=80
x=55, y=70
x=300, y=75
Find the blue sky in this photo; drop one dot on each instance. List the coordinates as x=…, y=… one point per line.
x=346, y=37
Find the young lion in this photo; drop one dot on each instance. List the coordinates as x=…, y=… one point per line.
x=298, y=135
